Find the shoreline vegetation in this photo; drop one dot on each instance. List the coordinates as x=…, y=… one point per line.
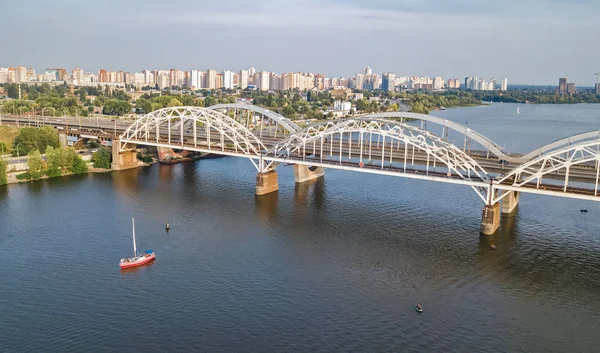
x=60, y=100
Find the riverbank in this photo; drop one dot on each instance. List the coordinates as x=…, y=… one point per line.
x=12, y=177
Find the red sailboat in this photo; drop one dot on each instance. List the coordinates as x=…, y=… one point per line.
x=137, y=259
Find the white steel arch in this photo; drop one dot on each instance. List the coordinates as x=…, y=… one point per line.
x=562, y=143
x=286, y=123
x=193, y=127
x=484, y=141
x=585, y=153
x=436, y=149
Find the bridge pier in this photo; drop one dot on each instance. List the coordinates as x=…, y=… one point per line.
x=490, y=219
x=303, y=173
x=266, y=183
x=122, y=160
x=62, y=140
x=510, y=201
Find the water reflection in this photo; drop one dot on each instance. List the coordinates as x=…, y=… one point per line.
x=266, y=207
x=127, y=181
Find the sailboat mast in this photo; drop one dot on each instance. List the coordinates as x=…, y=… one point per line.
x=133, y=227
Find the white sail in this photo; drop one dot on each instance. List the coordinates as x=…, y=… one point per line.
x=133, y=227
x=518, y=110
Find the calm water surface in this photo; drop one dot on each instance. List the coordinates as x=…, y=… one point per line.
x=335, y=265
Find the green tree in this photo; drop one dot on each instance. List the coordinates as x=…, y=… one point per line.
x=79, y=166
x=60, y=158
x=143, y=106
x=3, y=167
x=30, y=138
x=12, y=91
x=82, y=95
x=3, y=148
x=35, y=164
x=102, y=158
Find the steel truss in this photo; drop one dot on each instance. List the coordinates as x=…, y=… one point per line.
x=286, y=123
x=197, y=128
x=554, y=162
x=318, y=137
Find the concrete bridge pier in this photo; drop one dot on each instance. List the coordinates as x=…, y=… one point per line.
x=123, y=159
x=490, y=219
x=510, y=201
x=304, y=173
x=266, y=182
x=62, y=140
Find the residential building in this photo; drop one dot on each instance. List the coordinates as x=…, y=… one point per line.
x=453, y=83
x=504, y=84
x=388, y=81
x=598, y=88
x=341, y=93
x=77, y=76
x=262, y=80
x=219, y=80
x=571, y=88
x=342, y=106
x=197, y=79
x=20, y=74
x=562, y=85
x=211, y=79
x=438, y=83
x=244, y=74
x=228, y=79
x=31, y=76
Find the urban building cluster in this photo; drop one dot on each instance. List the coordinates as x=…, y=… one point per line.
x=565, y=87
x=250, y=78
x=479, y=84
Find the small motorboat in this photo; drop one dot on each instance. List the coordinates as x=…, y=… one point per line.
x=167, y=226
x=418, y=308
x=583, y=210
x=493, y=246
x=137, y=259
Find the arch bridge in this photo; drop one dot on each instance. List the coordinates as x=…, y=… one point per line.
x=373, y=144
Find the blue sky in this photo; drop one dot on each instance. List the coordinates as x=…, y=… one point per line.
x=529, y=41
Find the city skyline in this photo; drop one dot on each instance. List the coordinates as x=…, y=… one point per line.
x=365, y=79
x=454, y=39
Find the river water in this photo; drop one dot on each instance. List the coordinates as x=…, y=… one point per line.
x=336, y=265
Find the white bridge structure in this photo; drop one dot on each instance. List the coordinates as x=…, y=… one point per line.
x=392, y=144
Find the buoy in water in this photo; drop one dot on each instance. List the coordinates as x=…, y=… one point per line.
x=167, y=226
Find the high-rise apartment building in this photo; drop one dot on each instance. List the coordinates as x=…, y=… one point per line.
x=31, y=74
x=244, y=79
x=211, y=79
x=262, y=81
x=21, y=74
x=571, y=88
x=197, y=79
x=562, y=85
x=388, y=81
x=228, y=79
x=453, y=83
x=438, y=83
x=598, y=88
x=504, y=84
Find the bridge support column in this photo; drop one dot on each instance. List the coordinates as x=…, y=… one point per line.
x=510, y=201
x=122, y=160
x=267, y=183
x=490, y=219
x=62, y=140
x=303, y=173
